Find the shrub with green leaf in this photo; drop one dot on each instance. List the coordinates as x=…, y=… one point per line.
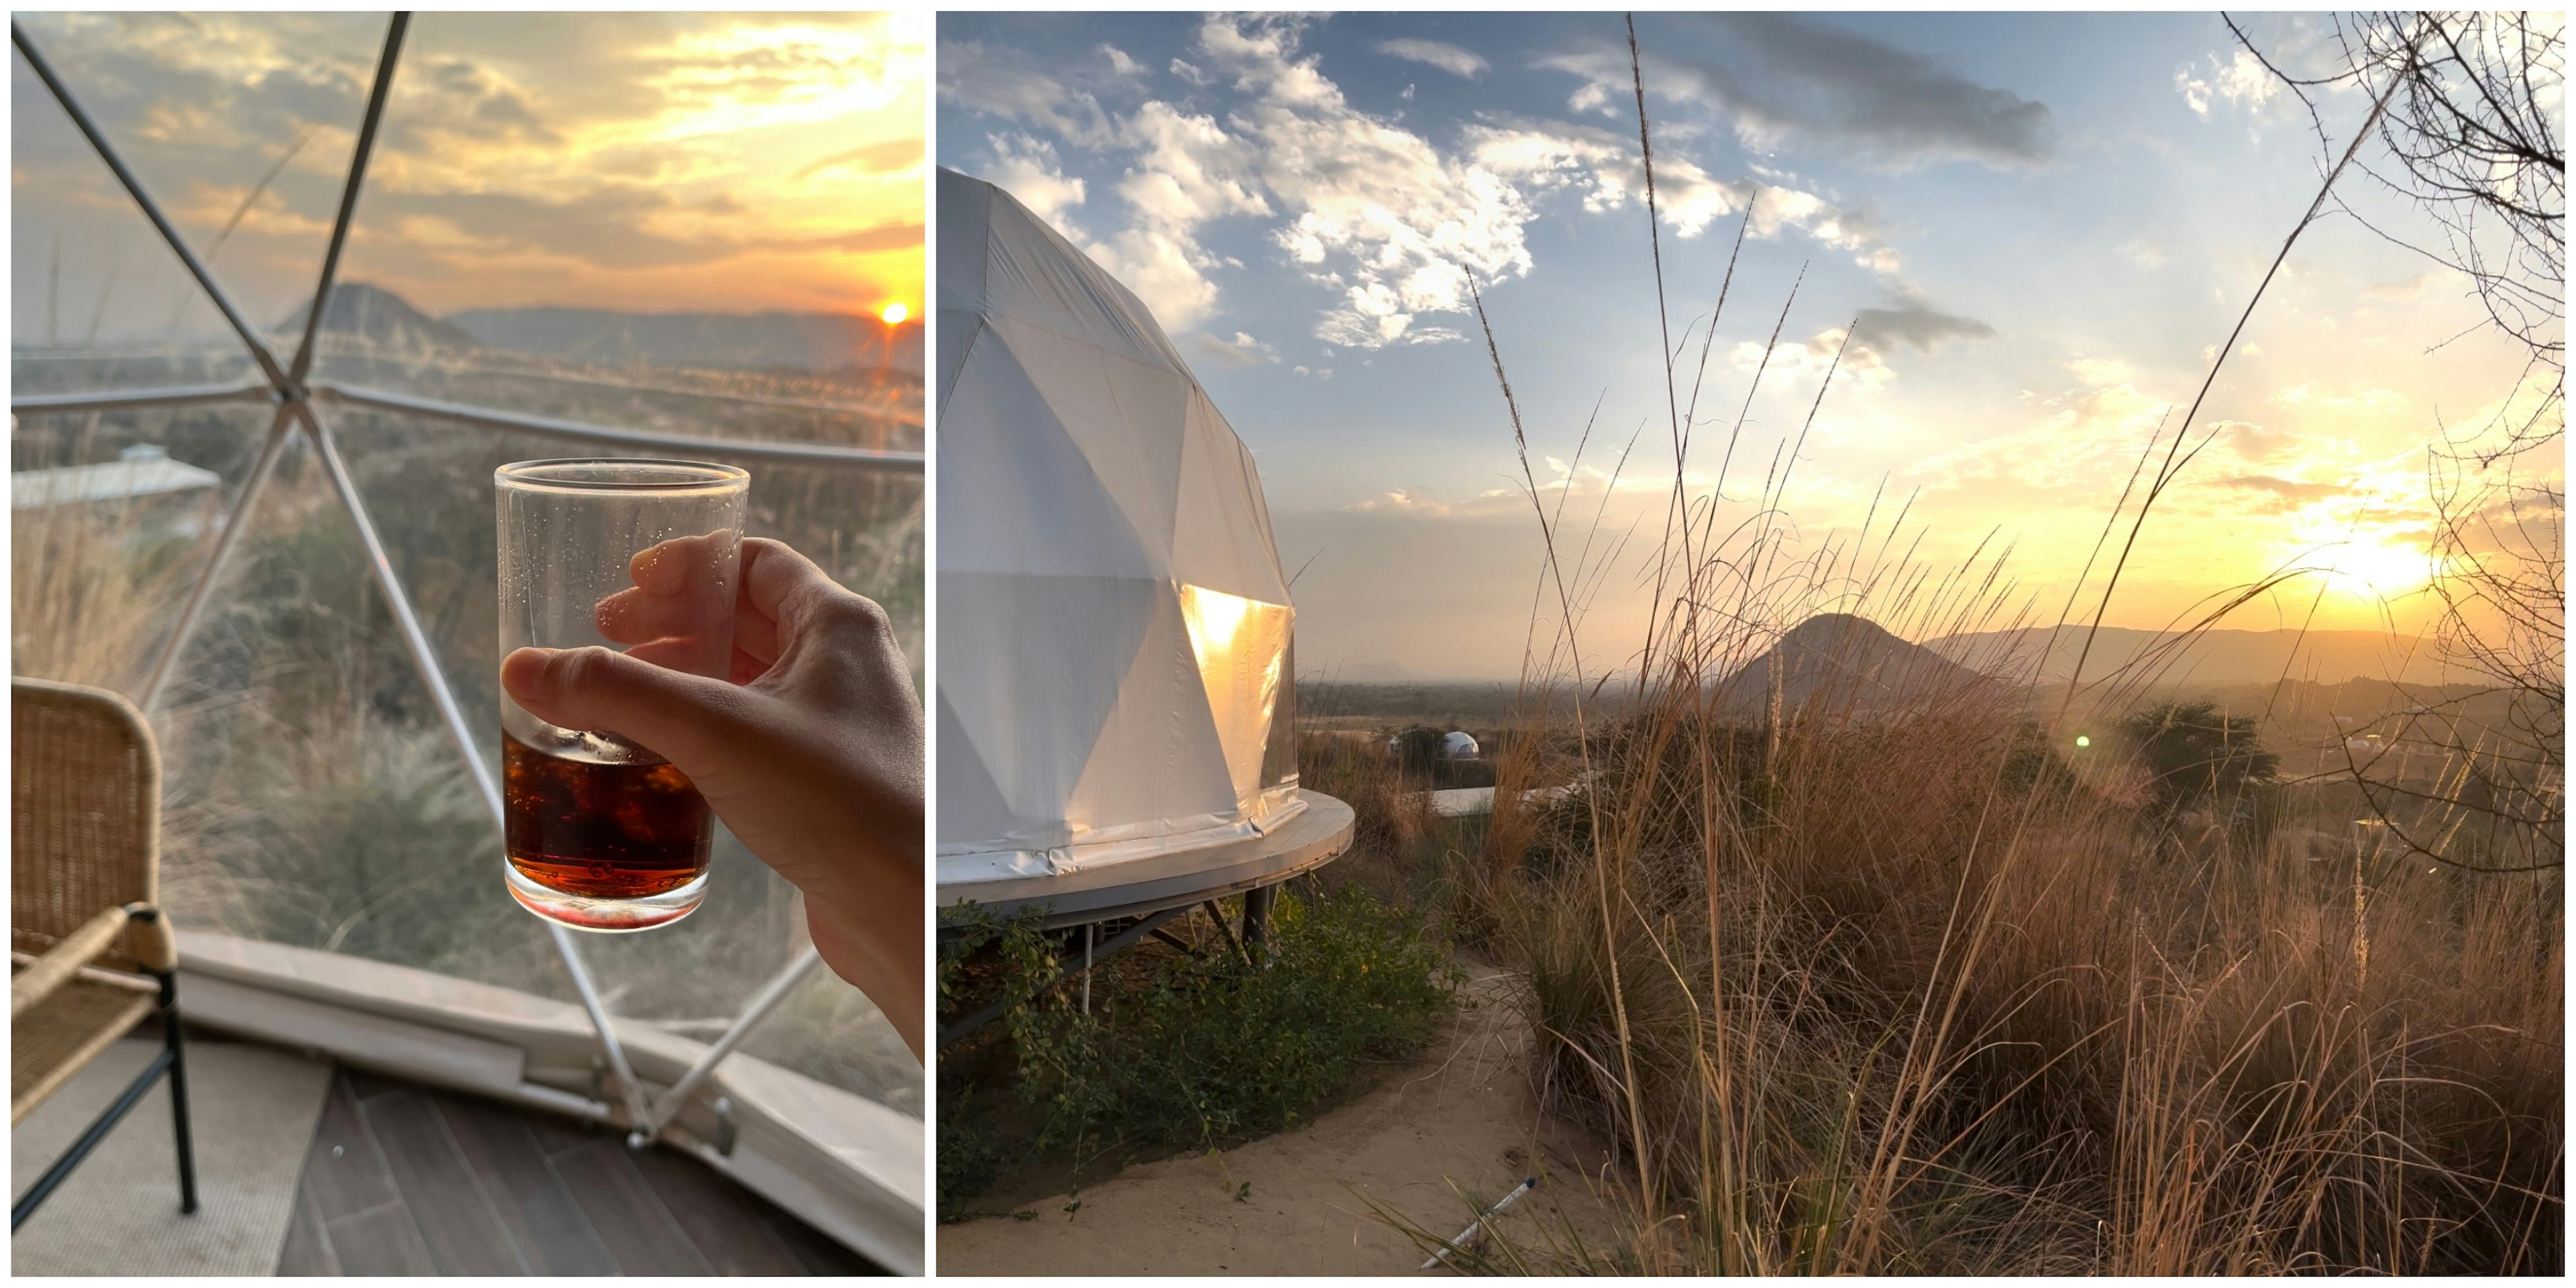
x=2197, y=756
x=1195, y=1050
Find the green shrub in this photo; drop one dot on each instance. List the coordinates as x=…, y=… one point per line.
x=1193, y=1051
x=2197, y=756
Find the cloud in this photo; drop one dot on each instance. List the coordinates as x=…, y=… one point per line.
x=892, y=156
x=1462, y=63
x=1374, y=210
x=2241, y=81
x=1164, y=270
x=1911, y=322
x=2291, y=491
x=1559, y=481
x=1189, y=172
x=893, y=236
x=1027, y=168
x=1401, y=501
x=1852, y=360
x=1238, y=353
x=1793, y=82
x=1394, y=224
x=1017, y=86
x=651, y=162
x=1604, y=167
x=2143, y=252
x=2256, y=443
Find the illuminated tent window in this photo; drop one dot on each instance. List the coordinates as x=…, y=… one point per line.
x=270, y=525
x=1115, y=699
x=1241, y=645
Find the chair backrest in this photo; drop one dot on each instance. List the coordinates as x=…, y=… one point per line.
x=84, y=814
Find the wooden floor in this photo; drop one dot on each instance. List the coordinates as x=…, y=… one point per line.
x=405, y=1180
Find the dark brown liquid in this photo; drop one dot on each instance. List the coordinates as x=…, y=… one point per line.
x=602, y=831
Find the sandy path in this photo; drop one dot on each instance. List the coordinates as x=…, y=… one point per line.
x=1460, y=1120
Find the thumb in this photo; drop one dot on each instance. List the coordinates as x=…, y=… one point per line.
x=686, y=719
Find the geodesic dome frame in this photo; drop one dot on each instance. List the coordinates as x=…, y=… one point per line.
x=1116, y=679
x=297, y=399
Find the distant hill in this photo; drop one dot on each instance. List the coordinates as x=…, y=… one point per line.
x=1450, y=703
x=815, y=342
x=1366, y=673
x=2213, y=659
x=802, y=341
x=385, y=321
x=1846, y=662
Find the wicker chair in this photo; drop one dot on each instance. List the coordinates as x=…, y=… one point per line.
x=90, y=953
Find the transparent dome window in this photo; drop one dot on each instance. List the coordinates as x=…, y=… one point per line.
x=535, y=236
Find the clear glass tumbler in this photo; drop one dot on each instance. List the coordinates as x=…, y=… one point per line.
x=640, y=555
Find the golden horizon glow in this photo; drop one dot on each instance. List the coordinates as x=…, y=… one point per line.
x=895, y=313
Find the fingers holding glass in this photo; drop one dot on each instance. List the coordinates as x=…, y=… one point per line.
x=679, y=613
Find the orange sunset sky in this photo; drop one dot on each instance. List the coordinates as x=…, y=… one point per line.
x=642, y=162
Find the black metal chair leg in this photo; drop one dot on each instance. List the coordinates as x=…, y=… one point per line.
x=106, y=1122
x=177, y=1046
x=1256, y=923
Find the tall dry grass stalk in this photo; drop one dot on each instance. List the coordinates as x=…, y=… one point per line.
x=95, y=585
x=1859, y=967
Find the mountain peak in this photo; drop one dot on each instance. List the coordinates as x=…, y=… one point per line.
x=381, y=320
x=1848, y=662
x=1841, y=629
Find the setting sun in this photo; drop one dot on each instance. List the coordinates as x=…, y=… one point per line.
x=895, y=313
x=2375, y=569
x=2379, y=570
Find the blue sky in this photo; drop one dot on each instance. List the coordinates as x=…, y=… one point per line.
x=2041, y=224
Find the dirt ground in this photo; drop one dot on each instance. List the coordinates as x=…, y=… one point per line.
x=1434, y=1142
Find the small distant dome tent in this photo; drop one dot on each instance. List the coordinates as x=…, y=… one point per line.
x=1458, y=746
x=1115, y=697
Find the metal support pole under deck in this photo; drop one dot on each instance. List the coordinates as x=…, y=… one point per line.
x=1256, y=923
x=1112, y=947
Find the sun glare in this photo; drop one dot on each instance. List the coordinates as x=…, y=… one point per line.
x=2376, y=569
x=895, y=313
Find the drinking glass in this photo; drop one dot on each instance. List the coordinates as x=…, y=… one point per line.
x=602, y=833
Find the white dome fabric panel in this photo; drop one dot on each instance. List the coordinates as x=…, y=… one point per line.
x=1114, y=624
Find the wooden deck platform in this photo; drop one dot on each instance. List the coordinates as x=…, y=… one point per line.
x=406, y=1180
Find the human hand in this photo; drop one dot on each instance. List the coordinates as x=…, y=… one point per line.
x=811, y=749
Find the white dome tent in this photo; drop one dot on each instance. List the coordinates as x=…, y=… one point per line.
x=1115, y=708
x=331, y=445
